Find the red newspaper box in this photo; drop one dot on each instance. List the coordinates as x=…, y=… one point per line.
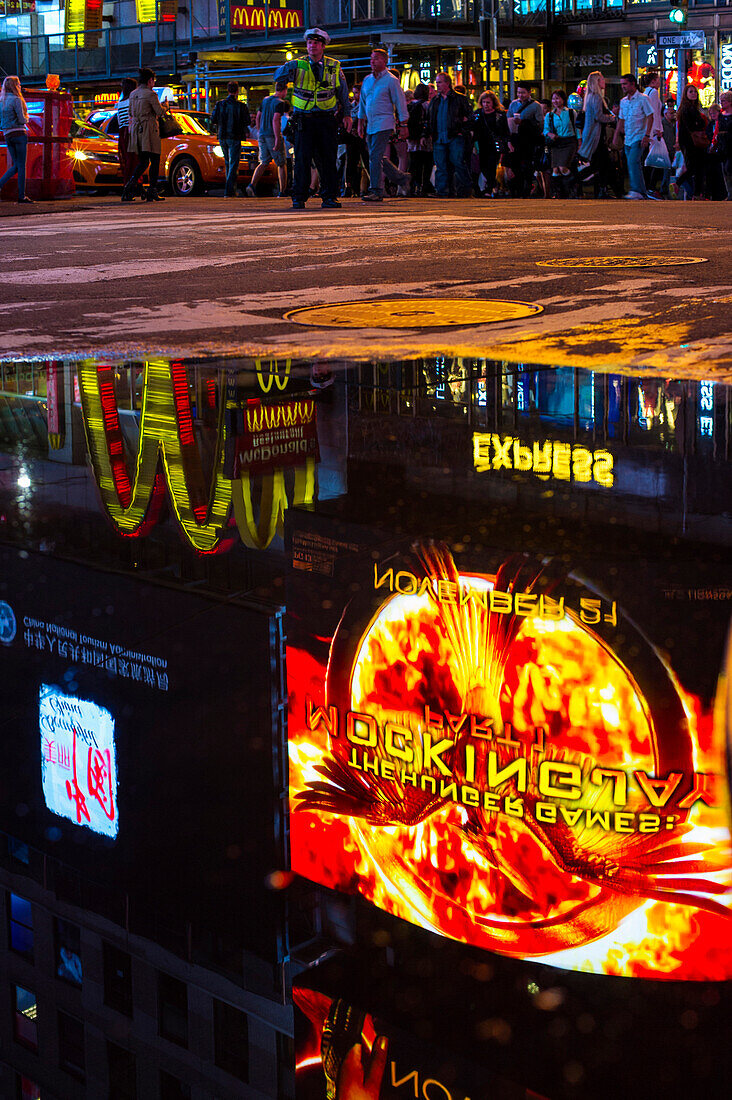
x=49, y=172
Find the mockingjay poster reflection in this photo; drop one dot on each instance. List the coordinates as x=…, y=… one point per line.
x=497, y=752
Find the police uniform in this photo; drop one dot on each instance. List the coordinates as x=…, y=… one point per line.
x=318, y=89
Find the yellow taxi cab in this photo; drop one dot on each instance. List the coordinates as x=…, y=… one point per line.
x=191, y=162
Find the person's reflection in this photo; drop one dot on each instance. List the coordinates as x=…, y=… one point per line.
x=362, y=1072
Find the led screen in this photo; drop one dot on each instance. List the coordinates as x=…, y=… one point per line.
x=78, y=760
x=491, y=747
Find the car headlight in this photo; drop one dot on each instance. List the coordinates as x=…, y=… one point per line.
x=218, y=151
x=78, y=154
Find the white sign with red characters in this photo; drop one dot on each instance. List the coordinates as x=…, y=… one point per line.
x=78, y=763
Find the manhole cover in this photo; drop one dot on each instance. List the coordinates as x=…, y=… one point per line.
x=412, y=313
x=622, y=261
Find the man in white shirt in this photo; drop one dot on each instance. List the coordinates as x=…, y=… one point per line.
x=382, y=99
x=635, y=122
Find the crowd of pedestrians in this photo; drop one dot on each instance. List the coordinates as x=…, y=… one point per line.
x=375, y=140
x=568, y=146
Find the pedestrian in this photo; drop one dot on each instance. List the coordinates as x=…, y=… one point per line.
x=319, y=87
x=714, y=187
x=593, y=151
x=449, y=118
x=357, y=153
x=526, y=124
x=635, y=122
x=127, y=160
x=722, y=139
x=419, y=142
x=691, y=131
x=13, y=122
x=490, y=131
x=144, y=140
x=668, y=126
x=271, y=143
x=560, y=134
x=232, y=120
x=382, y=102
x=650, y=85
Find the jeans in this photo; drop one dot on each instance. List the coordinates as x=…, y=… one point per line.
x=451, y=154
x=378, y=165
x=232, y=155
x=17, y=149
x=727, y=175
x=633, y=155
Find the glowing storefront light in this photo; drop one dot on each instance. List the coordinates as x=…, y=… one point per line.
x=78, y=761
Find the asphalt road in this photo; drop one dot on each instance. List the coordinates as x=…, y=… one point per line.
x=210, y=276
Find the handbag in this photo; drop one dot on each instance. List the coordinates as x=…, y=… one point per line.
x=168, y=126
x=700, y=139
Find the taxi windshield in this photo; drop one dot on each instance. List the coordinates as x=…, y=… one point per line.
x=190, y=124
x=84, y=130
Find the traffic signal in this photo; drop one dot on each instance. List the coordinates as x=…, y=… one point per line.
x=680, y=12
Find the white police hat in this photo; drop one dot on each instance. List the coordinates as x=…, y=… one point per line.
x=316, y=32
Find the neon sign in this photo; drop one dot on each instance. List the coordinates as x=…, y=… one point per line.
x=168, y=461
x=78, y=761
x=277, y=18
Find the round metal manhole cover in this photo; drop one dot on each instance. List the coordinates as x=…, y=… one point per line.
x=593, y=262
x=412, y=313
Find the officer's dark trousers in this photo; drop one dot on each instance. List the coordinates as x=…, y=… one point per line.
x=316, y=139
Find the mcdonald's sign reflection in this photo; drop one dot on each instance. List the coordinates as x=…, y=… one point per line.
x=212, y=511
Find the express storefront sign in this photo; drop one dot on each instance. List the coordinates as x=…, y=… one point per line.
x=583, y=57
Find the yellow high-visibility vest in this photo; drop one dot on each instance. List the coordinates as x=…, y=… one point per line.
x=309, y=95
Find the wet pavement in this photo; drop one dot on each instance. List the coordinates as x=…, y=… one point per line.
x=209, y=276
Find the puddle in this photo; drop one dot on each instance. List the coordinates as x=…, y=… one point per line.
x=487, y=604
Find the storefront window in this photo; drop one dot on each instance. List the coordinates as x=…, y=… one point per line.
x=700, y=71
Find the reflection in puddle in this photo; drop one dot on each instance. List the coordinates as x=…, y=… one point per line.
x=508, y=593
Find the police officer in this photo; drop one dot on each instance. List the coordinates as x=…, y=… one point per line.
x=319, y=88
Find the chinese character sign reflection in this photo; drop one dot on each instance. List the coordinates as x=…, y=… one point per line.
x=78, y=761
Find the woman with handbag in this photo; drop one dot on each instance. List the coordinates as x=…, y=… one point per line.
x=560, y=135
x=145, y=110
x=13, y=121
x=691, y=130
x=490, y=132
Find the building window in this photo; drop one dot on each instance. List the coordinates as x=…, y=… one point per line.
x=173, y=1089
x=285, y=1066
x=21, y=927
x=68, y=952
x=173, y=1009
x=122, y=1073
x=71, y=1044
x=117, y=979
x=25, y=1089
x=18, y=850
x=25, y=1011
x=231, y=1040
